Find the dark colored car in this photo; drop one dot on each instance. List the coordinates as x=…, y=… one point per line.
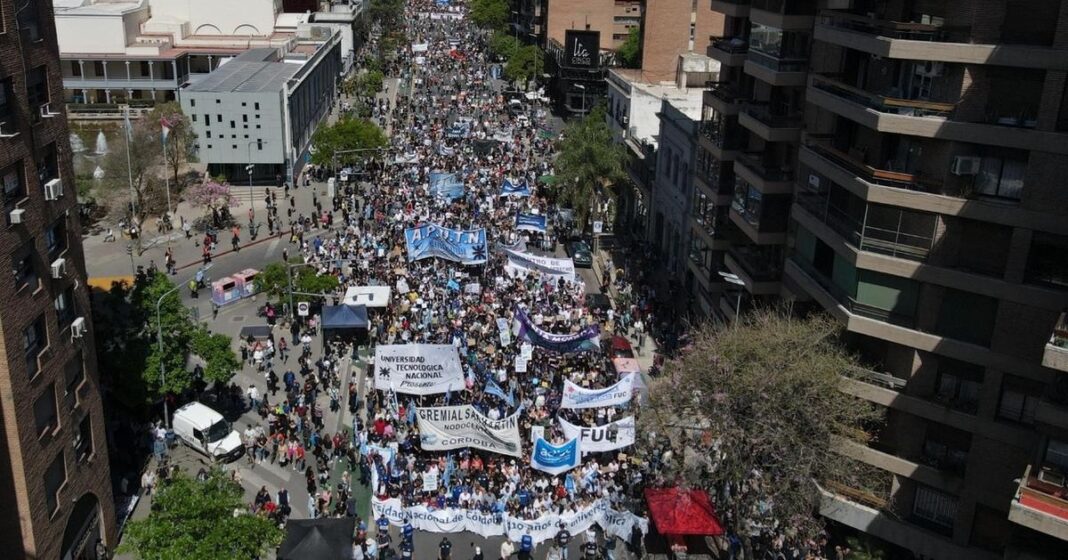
x=598, y=302
x=580, y=253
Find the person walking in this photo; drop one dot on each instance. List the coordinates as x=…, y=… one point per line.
x=445, y=549
x=507, y=549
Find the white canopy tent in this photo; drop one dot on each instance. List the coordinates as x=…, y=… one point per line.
x=370, y=296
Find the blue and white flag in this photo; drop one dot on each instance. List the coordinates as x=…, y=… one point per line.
x=530, y=222
x=444, y=150
x=446, y=185
x=492, y=388
x=429, y=240
x=616, y=394
x=555, y=459
x=586, y=340
x=513, y=188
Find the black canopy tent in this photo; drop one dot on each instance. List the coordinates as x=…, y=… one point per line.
x=344, y=322
x=318, y=539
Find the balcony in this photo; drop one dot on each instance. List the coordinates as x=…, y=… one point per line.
x=784, y=14
x=729, y=51
x=1056, y=354
x=918, y=41
x=823, y=148
x=759, y=270
x=724, y=98
x=770, y=126
x=731, y=8
x=929, y=119
x=719, y=141
x=847, y=301
x=776, y=71
x=1041, y=501
x=765, y=177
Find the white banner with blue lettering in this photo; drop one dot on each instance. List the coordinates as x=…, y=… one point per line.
x=446, y=185
x=521, y=264
x=544, y=528
x=429, y=240
x=555, y=459
x=611, y=436
x=530, y=222
x=616, y=394
x=515, y=188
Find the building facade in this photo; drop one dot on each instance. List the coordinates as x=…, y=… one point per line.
x=54, y=475
x=612, y=18
x=898, y=165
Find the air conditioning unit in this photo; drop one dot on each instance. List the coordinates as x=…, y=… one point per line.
x=930, y=69
x=46, y=111
x=77, y=328
x=965, y=165
x=16, y=215
x=59, y=268
x=7, y=130
x=53, y=189
x=1051, y=476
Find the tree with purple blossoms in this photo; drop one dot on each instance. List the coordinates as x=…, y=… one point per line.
x=212, y=195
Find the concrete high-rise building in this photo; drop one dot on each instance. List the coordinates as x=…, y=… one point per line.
x=899, y=164
x=54, y=476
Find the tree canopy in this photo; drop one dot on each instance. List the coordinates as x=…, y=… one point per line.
x=503, y=44
x=489, y=14
x=145, y=154
x=524, y=63
x=200, y=521
x=211, y=194
x=588, y=159
x=389, y=13
x=346, y=134
x=181, y=138
x=629, y=53
x=272, y=280
x=753, y=413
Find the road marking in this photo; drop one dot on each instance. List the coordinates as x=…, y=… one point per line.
x=273, y=247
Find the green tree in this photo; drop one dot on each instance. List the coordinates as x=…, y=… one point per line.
x=122, y=175
x=388, y=13
x=864, y=548
x=177, y=334
x=630, y=52
x=524, y=63
x=588, y=160
x=346, y=134
x=181, y=140
x=214, y=349
x=271, y=281
x=758, y=406
x=200, y=521
x=489, y=14
x=503, y=44
x=306, y=279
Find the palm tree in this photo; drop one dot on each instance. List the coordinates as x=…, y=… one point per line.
x=588, y=161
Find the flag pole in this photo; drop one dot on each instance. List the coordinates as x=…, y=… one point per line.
x=129, y=172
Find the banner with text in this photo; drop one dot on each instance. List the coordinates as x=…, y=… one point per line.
x=521, y=264
x=612, y=436
x=580, y=397
x=518, y=188
x=429, y=240
x=544, y=528
x=531, y=222
x=444, y=428
x=555, y=459
x=446, y=185
x=418, y=369
x=586, y=340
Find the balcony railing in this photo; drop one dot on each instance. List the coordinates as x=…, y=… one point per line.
x=1044, y=489
x=766, y=171
x=873, y=175
x=765, y=115
x=730, y=45
x=850, y=303
x=893, y=29
x=726, y=93
x=778, y=64
x=883, y=103
x=873, y=377
x=715, y=133
x=759, y=267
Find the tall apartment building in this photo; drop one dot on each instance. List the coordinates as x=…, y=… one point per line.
x=54, y=476
x=900, y=164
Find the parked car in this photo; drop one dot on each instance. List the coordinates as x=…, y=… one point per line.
x=205, y=430
x=580, y=253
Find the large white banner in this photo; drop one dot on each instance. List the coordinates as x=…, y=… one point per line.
x=418, y=369
x=616, y=394
x=601, y=438
x=451, y=520
x=521, y=264
x=443, y=428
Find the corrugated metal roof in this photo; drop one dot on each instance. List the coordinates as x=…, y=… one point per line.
x=246, y=74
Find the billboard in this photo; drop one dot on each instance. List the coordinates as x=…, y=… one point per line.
x=582, y=49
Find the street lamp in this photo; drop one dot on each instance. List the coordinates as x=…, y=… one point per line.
x=249, y=168
x=159, y=336
x=732, y=278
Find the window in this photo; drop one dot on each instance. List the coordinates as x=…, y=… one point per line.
x=233, y=146
x=66, y=308
x=958, y=384
x=34, y=339
x=935, y=507
x=218, y=118
x=54, y=480
x=1001, y=177
x=217, y=101
x=27, y=18
x=232, y=125
x=192, y=103
x=47, y=164
x=75, y=69
x=207, y=133
x=209, y=146
x=256, y=106
x=1057, y=454
x=946, y=448
x=145, y=68
x=83, y=440
x=74, y=374
x=1047, y=261
x=98, y=68
x=44, y=412
x=7, y=104
x=257, y=126
x=1019, y=397
x=967, y=316
x=24, y=268
x=244, y=104
x=14, y=186
x=259, y=143
x=244, y=118
x=56, y=238
x=194, y=117
x=37, y=88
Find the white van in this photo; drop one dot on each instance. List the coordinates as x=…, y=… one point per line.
x=205, y=430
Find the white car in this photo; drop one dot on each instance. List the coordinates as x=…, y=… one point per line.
x=206, y=431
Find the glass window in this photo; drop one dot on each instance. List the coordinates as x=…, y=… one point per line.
x=14, y=185
x=958, y=384
x=44, y=412
x=34, y=339
x=83, y=441
x=1001, y=177
x=74, y=373
x=934, y=506
x=1047, y=261
x=56, y=238
x=7, y=104
x=37, y=88
x=1019, y=398
x=54, y=480
x=24, y=267
x=765, y=39
x=28, y=16
x=1057, y=454
x=66, y=309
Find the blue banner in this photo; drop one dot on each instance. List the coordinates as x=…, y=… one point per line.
x=446, y=185
x=512, y=188
x=530, y=222
x=492, y=388
x=586, y=340
x=429, y=240
x=555, y=459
